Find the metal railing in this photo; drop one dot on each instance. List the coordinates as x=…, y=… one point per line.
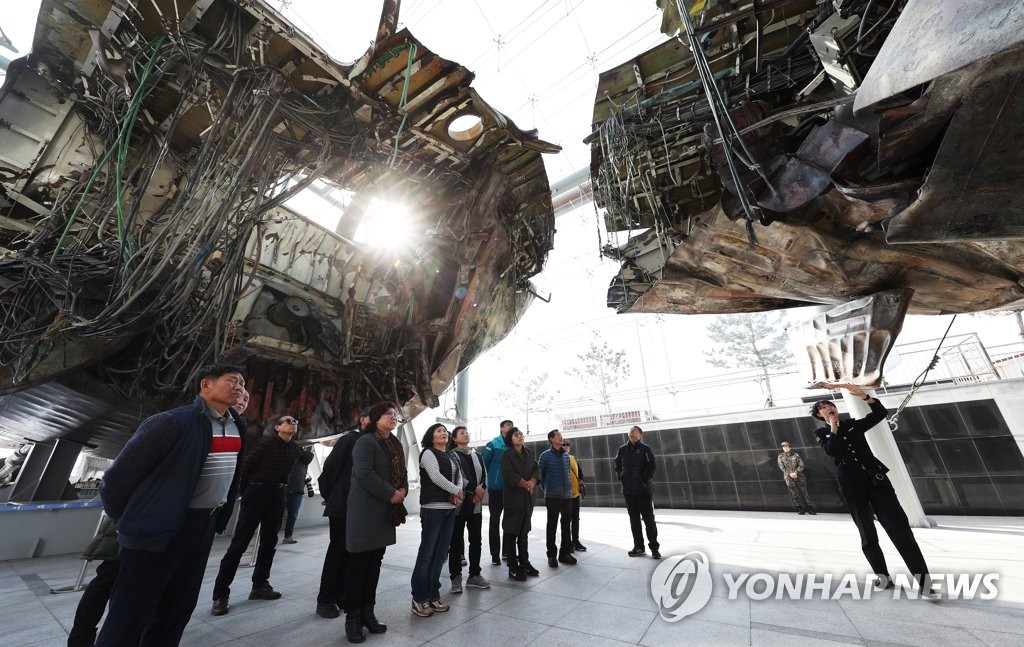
x=963, y=359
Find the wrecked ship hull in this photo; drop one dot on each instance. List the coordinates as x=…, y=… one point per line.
x=147, y=184
x=917, y=188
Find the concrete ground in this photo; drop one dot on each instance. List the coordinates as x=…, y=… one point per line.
x=607, y=598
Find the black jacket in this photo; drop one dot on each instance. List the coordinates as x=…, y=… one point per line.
x=336, y=476
x=634, y=464
x=849, y=447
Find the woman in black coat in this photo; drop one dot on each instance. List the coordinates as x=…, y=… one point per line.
x=521, y=474
x=375, y=508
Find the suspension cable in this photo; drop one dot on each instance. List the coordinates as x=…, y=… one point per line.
x=894, y=419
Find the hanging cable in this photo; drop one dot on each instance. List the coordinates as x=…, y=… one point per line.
x=727, y=129
x=403, y=103
x=894, y=419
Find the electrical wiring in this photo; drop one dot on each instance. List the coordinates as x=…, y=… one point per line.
x=157, y=267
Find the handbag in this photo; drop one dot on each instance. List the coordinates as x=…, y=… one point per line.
x=397, y=514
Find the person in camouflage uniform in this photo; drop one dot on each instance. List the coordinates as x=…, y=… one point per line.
x=792, y=467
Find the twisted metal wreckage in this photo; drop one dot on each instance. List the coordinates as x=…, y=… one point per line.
x=869, y=146
x=148, y=151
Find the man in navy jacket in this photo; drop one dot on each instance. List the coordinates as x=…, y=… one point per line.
x=554, y=478
x=169, y=490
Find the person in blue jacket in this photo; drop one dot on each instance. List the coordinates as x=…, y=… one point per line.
x=169, y=491
x=495, y=489
x=554, y=478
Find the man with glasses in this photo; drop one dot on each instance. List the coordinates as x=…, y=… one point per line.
x=792, y=467
x=263, y=484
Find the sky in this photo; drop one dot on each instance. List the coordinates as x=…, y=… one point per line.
x=538, y=62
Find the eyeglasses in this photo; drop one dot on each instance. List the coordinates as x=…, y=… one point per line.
x=288, y=421
x=397, y=415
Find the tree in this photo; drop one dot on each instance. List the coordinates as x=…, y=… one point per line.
x=750, y=340
x=529, y=393
x=601, y=369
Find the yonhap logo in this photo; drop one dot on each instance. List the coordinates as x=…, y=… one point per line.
x=681, y=585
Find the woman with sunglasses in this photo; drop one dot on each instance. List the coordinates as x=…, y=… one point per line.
x=375, y=508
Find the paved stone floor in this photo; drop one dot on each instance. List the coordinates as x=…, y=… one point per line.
x=606, y=600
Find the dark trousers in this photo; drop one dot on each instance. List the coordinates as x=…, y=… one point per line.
x=518, y=550
x=641, y=506
x=474, y=524
x=361, y=576
x=574, y=516
x=93, y=603
x=558, y=515
x=155, y=593
x=495, y=505
x=332, y=578
x=262, y=507
x=865, y=495
x=294, y=503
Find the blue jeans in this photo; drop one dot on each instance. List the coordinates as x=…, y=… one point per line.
x=435, y=537
x=294, y=503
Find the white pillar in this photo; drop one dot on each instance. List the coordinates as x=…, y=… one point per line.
x=883, y=445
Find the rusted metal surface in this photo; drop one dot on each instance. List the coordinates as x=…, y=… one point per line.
x=973, y=190
x=849, y=343
x=935, y=37
x=240, y=109
x=920, y=193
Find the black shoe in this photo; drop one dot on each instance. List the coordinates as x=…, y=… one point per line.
x=552, y=562
x=370, y=621
x=518, y=576
x=265, y=592
x=811, y=512
x=655, y=553
x=802, y=512
x=354, y=626
x=529, y=569
x=577, y=546
x=327, y=610
x=637, y=551
x=567, y=558
x=220, y=607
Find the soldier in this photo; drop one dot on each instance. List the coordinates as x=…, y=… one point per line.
x=792, y=467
